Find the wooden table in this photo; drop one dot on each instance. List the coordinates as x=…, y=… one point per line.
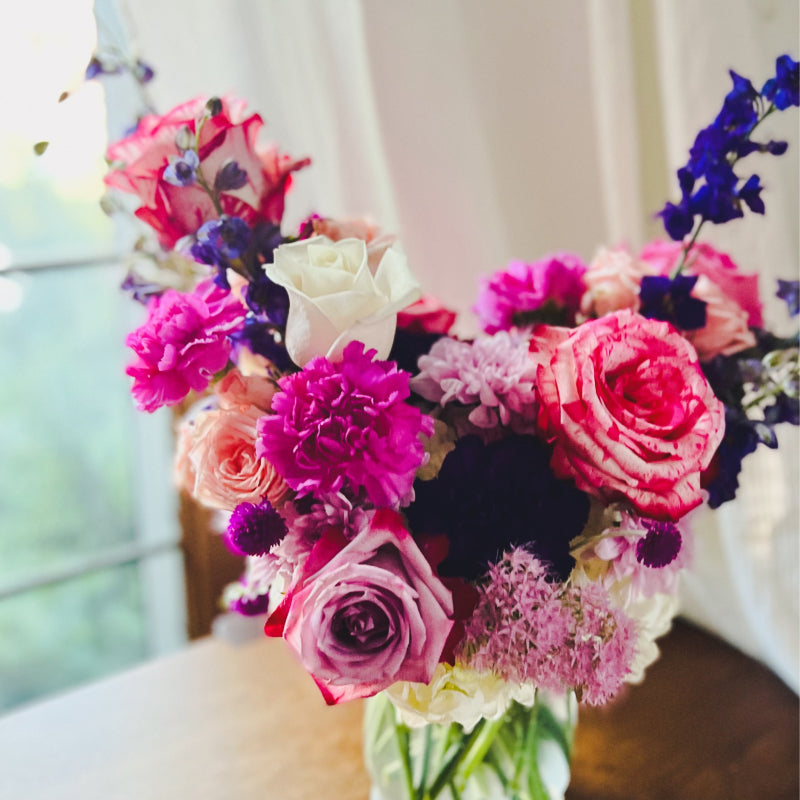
x=246, y=723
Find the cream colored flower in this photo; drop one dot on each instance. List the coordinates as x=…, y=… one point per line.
x=336, y=297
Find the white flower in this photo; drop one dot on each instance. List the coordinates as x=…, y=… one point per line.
x=457, y=694
x=335, y=297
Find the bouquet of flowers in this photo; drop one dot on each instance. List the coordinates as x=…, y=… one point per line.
x=462, y=528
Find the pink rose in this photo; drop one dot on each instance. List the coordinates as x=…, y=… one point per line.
x=612, y=282
x=183, y=344
x=726, y=331
x=630, y=414
x=239, y=392
x=138, y=163
x=427, y=315
x=716, y=266
x=366, y=613
x=222, y=455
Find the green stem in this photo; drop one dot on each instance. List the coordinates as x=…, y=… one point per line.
x=426, y=758
x=401, y=731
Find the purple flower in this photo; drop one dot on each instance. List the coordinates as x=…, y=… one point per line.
x=254, y=529
x=784, y=88
x=670, y=300
x=182, y=170
x=346, y=424
x=547, y=291
x=660, y=545
x=789, y=292
x=182, y=345
x=230, y=177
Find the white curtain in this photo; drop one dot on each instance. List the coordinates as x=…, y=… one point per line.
x=484, y=131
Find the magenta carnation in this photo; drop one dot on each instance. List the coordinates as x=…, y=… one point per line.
x=548, y=291
x=527, y=628
x=346, y=424
x=182, y=345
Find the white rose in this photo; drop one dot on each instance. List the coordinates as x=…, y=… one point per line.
x=336, y=298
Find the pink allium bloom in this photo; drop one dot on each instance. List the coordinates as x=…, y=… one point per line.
x=496, y=374
x=138, y=163
x=521, y=288
x=630, y=414
x=718, y=267
x=527, y=629
x=346, y=424
x=364, y=614
x=183, y=344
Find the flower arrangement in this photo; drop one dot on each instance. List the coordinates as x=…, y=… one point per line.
x=456, y=524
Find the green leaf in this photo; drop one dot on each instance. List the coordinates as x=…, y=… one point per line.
x=40, y=147
x=551, y=728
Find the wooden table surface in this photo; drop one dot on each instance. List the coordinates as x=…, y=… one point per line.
x=245, y=722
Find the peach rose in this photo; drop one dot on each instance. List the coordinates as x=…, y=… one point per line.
x=612, y=282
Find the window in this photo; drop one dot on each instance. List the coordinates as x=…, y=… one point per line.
x=90, y=569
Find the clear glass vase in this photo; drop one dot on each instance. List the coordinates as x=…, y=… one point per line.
x=523, y=755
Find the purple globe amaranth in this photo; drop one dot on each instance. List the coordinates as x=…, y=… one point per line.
x=488, y=498
x=254, y=529
x=660, y=545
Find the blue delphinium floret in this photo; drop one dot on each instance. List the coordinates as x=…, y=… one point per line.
x=784, y=88
x=670, y=300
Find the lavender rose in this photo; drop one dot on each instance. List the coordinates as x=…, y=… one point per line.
x=371, y=615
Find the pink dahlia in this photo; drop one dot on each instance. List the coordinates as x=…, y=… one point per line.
x=182, y=345
x=548, y=290
x=496, y=375
x=346, y=424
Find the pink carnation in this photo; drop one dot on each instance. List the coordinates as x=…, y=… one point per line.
x=183, y=344
x=526, y=628
x=495, y=374
x=552, y=286
x=346, y=424
x=715, y=265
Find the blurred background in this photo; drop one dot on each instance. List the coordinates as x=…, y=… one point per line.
x=478, y=132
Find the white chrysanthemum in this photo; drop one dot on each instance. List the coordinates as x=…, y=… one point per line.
x=457, y=694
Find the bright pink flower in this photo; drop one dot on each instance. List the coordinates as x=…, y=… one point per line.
x=717, y=266
x=552, y=286
x=182, y=345
x=427, y=315
x=630, y=414
x=366, y=613
x=346, y=424
x=139, y=160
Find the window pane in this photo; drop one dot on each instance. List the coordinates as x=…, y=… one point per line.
x=59, y=636
x=66, y=420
